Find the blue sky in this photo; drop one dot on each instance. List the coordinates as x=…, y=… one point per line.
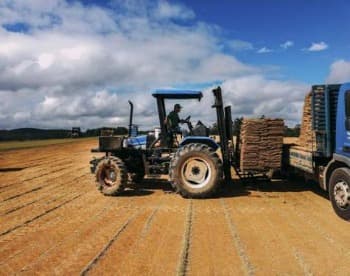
x=270, y=23
x=68, y=63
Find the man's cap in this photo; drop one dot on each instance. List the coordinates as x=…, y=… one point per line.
x=177, y=106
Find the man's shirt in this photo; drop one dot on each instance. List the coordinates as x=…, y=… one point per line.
x=173, y=119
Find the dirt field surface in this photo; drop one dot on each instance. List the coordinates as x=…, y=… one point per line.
x=10, y=145
x=54, y=221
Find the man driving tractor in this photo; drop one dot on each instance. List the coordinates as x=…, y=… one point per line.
x=172, y=122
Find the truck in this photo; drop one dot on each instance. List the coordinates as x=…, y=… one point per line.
x=76, y=132
x=327, y=159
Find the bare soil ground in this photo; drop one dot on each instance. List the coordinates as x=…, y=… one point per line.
x=54, y=221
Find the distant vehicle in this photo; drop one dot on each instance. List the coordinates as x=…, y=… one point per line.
x=76, y=132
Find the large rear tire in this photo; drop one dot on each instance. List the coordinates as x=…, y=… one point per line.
x=195, y=171
x=111, y=176
x=339, y=192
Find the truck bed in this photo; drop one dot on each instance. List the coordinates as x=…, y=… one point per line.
x=301, y=158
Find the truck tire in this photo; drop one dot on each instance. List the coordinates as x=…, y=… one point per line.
x=111, y=176
x=339, y=192
x=195, y=171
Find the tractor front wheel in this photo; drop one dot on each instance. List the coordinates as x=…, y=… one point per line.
x=195, y=171
x=111, y=176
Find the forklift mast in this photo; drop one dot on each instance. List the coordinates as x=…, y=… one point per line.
x=224, y=124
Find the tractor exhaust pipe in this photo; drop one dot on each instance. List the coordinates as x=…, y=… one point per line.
x=131, y=116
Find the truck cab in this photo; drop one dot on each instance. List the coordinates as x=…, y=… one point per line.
x=343, y=122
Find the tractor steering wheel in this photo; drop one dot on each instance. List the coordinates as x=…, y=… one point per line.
x=188, y=119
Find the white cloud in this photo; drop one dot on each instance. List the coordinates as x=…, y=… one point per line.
x=339, y=72
x=255, y=96
x=240, y=45
x=316, y=47
x=173, y=11
x=79, y=65
x=264, y=50
x=287, y=44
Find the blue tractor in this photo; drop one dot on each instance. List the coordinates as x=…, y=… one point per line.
x=196, y=164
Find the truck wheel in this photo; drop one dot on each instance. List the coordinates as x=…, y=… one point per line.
x=111, y=176
x=339, y=192
x=195, y=171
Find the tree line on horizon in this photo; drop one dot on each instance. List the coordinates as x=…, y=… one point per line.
x=23, y=134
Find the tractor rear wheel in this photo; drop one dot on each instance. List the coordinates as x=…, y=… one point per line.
x=195, y=171
x=111, y=176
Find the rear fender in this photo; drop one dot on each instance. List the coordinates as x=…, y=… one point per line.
x=200, y=140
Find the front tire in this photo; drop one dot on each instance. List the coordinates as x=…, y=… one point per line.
x=195, y=171
x=111, y=176
x=339, y=192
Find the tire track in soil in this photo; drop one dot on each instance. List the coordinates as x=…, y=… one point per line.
x=184, y=255
x=44, y=172
x=284, y=244
x=52, y=193
x=13, y=221
x=100, y=254
x=34, y=155
x=330, y=231
x=288, y=230
x=40, y=165
x=81, y=223
x=38, y=216
x=155, y=251
x=322, y=216
x=45, y=189
x=14, y=187
x=42, y=187
x=264, y=234
x=21, y=194
x=20, y=181
x=42, y=180
x=212, y=242
x=129, y=244
x=301, y=261
x=310, y=246
x=248, y=267
x=18, y=241
x=14, y=179
x=72, y=255
x=27, y=159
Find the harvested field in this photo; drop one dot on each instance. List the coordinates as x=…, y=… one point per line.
x=54, y=221
x=10, y=145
